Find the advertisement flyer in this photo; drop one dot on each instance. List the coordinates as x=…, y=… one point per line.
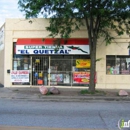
x=56, y=78
x=66, y=78
x=19, y=75
x=81, y=77
x=83, y=63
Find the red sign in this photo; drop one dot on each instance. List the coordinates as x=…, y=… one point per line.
x=82, y=77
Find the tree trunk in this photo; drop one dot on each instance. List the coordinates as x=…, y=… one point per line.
x=92, y=34
x=93, y=66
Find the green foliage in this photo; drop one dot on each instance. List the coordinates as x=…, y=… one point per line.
x=98, y=59
x=68, y=16
x=88, y=92
x=98, y=17
x=48, y=93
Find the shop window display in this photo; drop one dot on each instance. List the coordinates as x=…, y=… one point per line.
x=63, y=70
x=21, y=65
x=117, y=65
x=60, y=70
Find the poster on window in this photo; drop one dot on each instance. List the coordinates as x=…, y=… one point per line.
x=66, y=78
x=83, y=63
x=82, y=77
x=19, y=75
x=56, y=77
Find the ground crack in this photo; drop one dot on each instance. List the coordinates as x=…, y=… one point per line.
x=103, y=120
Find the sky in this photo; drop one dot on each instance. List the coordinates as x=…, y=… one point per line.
x=9, y=9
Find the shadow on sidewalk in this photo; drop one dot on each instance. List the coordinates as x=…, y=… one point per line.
x=1, y=85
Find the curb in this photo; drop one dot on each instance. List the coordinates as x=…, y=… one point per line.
x=66, y=98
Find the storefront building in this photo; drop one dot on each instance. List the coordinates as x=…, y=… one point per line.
x=67, y=65
x=29, y=58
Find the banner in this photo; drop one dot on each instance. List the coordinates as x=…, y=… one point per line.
x=49, y=49
x=82, y=77
x=83, y=63
x=19, y=76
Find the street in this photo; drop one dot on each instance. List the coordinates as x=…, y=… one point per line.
x=92, y=114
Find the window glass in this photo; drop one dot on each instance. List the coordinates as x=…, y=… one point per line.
x=118, y=65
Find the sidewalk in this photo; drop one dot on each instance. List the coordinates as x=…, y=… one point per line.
x=66, y=94
x=39, y=128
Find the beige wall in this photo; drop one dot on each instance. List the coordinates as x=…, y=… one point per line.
x=2, y=55
x=117, y=47
x=2, y=67
x=21, y=28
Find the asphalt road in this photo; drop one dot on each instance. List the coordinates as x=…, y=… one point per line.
x=93, y=115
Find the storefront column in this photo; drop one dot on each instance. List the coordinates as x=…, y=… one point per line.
x=49, y=72
x=31, y=71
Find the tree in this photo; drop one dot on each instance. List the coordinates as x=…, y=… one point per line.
x=67, y=16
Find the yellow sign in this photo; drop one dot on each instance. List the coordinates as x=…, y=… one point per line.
x=83, y=63
x=40, y=75
x=37, y=61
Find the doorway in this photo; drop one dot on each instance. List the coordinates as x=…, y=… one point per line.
x=40, y=65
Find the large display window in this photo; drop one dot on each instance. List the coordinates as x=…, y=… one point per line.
x=64, y=70
x=60, y=70
x=117, y=65
x=20, y=73
x=54, y=70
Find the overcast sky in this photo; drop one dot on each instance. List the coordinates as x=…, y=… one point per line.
x=9, y=9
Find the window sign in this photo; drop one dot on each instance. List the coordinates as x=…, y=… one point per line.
x=66, y=78
x=19, y=76
x=83, y=63
x=81, y=77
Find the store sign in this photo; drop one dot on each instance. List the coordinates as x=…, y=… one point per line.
x=19, y=76
x=82, y=77
x=43, y=49
x=83, y=63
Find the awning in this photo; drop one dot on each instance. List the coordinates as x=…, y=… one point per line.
x=50, y=41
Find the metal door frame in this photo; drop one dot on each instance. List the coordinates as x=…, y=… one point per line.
x=31, y=70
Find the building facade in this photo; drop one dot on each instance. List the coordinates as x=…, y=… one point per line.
x=29, y=58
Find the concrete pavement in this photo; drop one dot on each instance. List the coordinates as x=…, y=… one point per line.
x=67, y=94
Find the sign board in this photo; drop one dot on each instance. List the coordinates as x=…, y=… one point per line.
x=83, y=63
x=19, y=75
x=49, y=49
x=82, y=77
